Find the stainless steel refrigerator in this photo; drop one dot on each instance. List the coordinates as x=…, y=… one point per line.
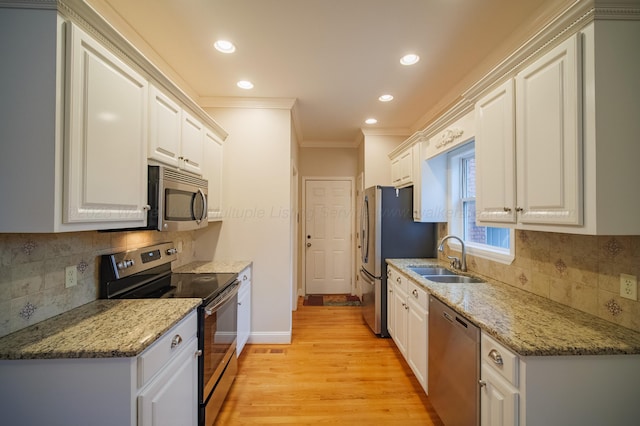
x=388, y=231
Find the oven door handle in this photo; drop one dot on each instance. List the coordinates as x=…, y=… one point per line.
x=215, y=305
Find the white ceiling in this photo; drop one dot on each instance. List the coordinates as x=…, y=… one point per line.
x=334, y=56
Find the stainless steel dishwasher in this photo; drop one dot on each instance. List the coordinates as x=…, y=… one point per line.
x=454, y=366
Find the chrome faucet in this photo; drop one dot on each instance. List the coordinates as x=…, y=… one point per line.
x=455, y=262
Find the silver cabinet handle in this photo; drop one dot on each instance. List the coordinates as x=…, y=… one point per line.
x=198, y=353
x=482, y=383
x=244, y=278
x=177, y=339
x=495, y=356
x=507, y=209
x=398, y=280
x=415, y=293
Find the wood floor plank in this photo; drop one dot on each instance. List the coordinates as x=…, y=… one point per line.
x=335, y=371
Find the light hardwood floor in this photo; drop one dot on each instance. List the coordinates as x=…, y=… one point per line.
x=335, y=371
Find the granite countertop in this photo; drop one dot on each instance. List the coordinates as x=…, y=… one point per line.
x=99, y=329
x=528, y=324
x=231, y=266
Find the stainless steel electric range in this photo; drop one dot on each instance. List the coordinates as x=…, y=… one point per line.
x=146, y=273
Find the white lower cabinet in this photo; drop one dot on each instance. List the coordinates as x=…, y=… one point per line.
x=408, y=322
x=171, y=398
x=157, y=387
x=557, y=390
x=499, y=395
x=244, y=309
x=417, y=332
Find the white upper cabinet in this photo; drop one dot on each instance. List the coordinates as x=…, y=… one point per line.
x=548, y=138
x=165, y=123
x=212, y=172
x=544, y=183
x=105, y=151
x=571, y=116
x=176, y=137
x=192, y=140
x=495, y=156
x=402, y=169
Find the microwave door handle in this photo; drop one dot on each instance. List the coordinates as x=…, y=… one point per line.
x=204, y=208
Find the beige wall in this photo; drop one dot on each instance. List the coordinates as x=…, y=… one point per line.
x=257, y=213
x=580, y=271
x=323, y=162
x=32, y=284
x=377, y=165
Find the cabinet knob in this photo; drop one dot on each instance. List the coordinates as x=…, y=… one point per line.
x=244, y=278
x=495, y=356
x=198, y=353
x=507, y=209
x=398, y=280
x=519, y=209
x=415, y=293
x=177, y=339
x=482, y=383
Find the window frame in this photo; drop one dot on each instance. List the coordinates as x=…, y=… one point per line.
x=456, y=206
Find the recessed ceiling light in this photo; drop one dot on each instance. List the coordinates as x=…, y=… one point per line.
x=371, y=121
x=244, y=84
x=385, y=98
x=224, y=46
x=409, y=59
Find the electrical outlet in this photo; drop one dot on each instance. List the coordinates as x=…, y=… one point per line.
x=70, y=276
x=629, y=286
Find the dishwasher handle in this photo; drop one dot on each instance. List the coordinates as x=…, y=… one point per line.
x=450, y=318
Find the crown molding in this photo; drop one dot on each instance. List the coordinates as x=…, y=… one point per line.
x=388, y=131
x=330, y=144
x=236, y=102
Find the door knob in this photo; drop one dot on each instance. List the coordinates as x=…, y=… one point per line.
x=308, y=244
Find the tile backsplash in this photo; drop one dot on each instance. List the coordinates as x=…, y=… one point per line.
x=580, y=271
x=32, y=270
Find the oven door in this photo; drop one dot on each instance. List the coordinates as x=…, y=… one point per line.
x=219, y=364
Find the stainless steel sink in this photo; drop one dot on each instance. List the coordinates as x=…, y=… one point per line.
x=430, y=270
x=452, y=279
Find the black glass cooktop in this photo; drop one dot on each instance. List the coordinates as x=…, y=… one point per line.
x=201, y=286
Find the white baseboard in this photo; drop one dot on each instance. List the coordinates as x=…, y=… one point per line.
x=270, y=338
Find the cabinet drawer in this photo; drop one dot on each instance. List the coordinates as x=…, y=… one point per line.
x=418, y=295
x=400, y=281
x=157, y=355
x=501, y=359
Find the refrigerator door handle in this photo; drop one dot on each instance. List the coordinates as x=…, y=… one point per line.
x=364, y=224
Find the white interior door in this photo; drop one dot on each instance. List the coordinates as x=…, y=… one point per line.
x=328, y=223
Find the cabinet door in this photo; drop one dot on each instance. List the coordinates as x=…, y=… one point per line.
x=400, y=320
x=172, y=397
x=495, y=156
x=417, y=321
x=406, y=167
x=192, y=142
x=105, y=151
x=164, y=128
x=391, y=303
x=212, y=171
x=498, y=400
x=548, y=138
x=244, y=314
x=396, y=173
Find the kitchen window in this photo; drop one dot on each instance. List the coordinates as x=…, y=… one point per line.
x=489, y=242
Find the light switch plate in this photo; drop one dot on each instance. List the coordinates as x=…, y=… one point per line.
x=629, y=286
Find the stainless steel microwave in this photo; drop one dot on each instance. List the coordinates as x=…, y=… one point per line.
x=177, y=200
